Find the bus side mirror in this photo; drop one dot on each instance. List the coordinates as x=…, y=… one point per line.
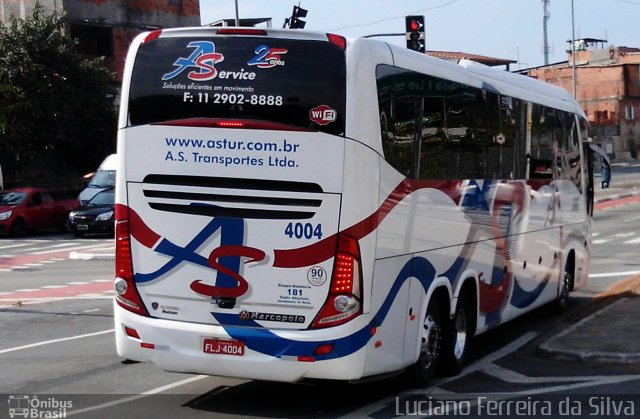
x=605, y=164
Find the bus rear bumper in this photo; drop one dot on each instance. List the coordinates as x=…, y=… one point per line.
x=179, y=346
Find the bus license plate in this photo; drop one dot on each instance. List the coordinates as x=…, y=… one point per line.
x=223, y=346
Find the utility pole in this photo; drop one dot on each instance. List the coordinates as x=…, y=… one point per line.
x=545, y=19
x=573, y=53
x=237, y=15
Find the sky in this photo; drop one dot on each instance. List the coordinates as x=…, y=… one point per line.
x=510, y=29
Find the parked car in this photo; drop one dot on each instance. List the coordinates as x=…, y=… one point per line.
x=103, y=178
x=96, y=216
x=25, y=209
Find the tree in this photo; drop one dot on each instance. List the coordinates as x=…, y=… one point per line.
x=54, y=103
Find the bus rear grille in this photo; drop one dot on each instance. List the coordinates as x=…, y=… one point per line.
x=232, y=197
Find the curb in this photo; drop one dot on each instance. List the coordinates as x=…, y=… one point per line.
x=617, y=197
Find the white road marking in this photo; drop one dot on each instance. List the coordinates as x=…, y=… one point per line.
x=10, y=246
x=156, y=390
x=49, y=342
x=614, y=274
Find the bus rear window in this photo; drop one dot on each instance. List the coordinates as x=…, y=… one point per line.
x=297, y=83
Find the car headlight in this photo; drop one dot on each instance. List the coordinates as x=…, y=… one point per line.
x=5, y=215
x=71, y=215
x=104, y=216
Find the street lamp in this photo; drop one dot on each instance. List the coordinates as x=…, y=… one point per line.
x=238, y=15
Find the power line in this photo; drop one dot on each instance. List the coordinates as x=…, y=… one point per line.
x=397, y=17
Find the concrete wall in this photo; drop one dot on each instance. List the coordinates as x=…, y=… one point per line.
x=24, y=8
x=135, y=13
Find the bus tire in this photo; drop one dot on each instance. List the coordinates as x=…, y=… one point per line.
x=560, y=304
x=457, y=336
x=422, y=371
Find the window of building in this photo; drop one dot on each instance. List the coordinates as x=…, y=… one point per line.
x=629, y=113
x=94, y=41
x=601, y=116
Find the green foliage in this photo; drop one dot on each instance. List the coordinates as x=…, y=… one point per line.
x=54, y=103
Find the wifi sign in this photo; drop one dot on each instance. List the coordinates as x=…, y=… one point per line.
x=323, y=115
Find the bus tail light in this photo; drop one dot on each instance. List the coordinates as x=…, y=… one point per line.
x=126, y=293
x=345, y=293
x=337, y=40
x=153, y=35
x=232, y=123
x=242, y=31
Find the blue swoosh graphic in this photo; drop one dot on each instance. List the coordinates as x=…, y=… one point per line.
x=521, y=298
x=259, y=339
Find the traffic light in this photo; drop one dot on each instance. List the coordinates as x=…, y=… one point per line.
x=414, y=28
x=295, y=22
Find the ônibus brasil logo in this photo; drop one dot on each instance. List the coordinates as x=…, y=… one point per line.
x=203, y=59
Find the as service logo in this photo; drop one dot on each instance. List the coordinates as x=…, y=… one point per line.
x=203, y=60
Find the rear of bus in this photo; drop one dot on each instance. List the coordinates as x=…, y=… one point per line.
x=228, y=258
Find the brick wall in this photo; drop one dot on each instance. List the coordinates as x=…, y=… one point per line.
x=606, y=92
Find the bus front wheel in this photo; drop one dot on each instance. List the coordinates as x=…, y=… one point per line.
x=560, y=304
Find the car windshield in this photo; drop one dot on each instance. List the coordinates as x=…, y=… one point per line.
x=103, y=198
x=103, y=179
x=12, y=198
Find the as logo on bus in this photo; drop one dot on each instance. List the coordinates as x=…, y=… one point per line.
x=267, y=57
x=202, y=62
x=323, y=115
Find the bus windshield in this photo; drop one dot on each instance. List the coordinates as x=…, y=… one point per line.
x=244, y=78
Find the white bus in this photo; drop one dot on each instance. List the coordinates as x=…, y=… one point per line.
x=296, y=205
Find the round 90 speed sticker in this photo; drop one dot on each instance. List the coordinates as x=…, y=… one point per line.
x=317, y=276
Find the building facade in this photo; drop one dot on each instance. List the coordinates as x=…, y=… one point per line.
x=607, y=85
x=105, y=28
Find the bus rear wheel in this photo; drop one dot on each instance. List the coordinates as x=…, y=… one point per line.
x=422, y=371
x=457, y=337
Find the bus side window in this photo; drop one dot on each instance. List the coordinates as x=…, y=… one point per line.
x=397, y=135
x=541, y=156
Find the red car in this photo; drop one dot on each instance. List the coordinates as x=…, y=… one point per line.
x=25, y=209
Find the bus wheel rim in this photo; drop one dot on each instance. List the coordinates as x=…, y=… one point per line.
x=460, y=334
x=430, y=346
